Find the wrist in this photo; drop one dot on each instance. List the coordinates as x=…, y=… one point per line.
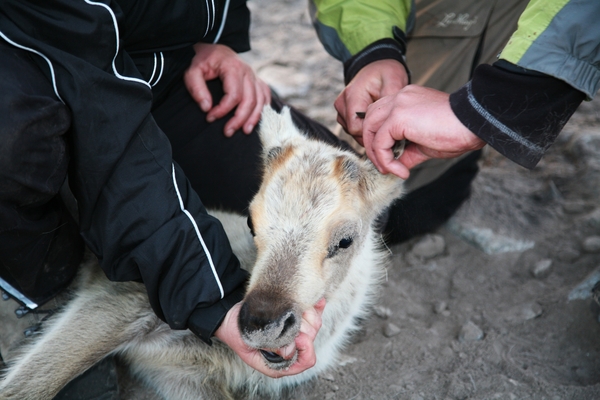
x=387, y=48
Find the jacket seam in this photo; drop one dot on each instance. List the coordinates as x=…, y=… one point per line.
x=115, y=25
x=224, y=19
x=198, y=234
x=41, y=55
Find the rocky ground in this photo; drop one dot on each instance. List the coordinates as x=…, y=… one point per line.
x=495, y=305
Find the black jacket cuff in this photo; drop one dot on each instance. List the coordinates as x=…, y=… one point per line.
x=380, y=50
x=516, y=111
x=205, y=321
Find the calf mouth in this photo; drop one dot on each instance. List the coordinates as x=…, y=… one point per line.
x=276, y=361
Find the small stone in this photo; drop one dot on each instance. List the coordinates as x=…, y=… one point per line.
x=344, y=360
x=440, y=307
x=542, y=268
x=591, y=244
x=335, y=388
x=568, y=255
x=329, y=396
x=525, y=312
x=593, y=219
x=328, y=377
x=470, y=333
x=487, y=240
x=429, y=246
x=396, y=389
x=382, y=312
x=447, y=352
x=531, y=311
x=390, y=330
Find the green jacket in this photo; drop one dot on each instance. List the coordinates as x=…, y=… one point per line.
x=560, y=38
x=345, y=27
x=556, y=37
x=358, y=32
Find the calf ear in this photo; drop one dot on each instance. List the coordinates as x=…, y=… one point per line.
x=277, y=129
x=379, y=190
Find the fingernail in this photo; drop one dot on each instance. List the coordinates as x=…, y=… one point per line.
x=205, y=105
x=229, y=132
x=249, y=128
x=210, y=118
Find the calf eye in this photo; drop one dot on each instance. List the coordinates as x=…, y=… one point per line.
x=249, y=222
x=345, y=243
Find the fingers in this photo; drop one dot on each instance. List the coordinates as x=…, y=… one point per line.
x=380, y=151
x=374, y=81
x=304, y=342
x=347, y=104
x=381, y=130
x=196, y=86
x=244, y=91
x=249, y=95
x=229, y=333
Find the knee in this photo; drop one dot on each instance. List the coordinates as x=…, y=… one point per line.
x=33, y=151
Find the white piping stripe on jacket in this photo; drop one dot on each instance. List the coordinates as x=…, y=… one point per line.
x=41, y=55
x=162, y=68
x=114, y=18
x=212, y=25
x=154, y=70
x=208, y=257
x=181, y=205
x=225, y=10
x=207, y=18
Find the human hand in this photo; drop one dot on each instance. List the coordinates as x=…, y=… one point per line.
x=243, y=89
x=229, y=333
x=374, y=81
x=424, y=118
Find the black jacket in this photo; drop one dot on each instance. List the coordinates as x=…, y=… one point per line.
x=137, y=211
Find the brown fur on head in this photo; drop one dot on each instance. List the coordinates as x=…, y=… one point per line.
x=310, y=219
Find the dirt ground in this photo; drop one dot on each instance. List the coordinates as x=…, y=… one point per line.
x=495, y=305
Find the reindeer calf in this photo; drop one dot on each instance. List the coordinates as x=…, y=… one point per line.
x=313, y=225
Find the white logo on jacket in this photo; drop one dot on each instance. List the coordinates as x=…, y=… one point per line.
x=460, y=19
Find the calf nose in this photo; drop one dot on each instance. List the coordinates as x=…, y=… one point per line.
x=268, y=321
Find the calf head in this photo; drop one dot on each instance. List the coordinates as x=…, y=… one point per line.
x=310, y=219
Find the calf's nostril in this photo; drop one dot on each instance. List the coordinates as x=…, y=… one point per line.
x=289, y=322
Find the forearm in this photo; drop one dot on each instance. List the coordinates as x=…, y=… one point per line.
x=516, y=111
x=137, y=211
